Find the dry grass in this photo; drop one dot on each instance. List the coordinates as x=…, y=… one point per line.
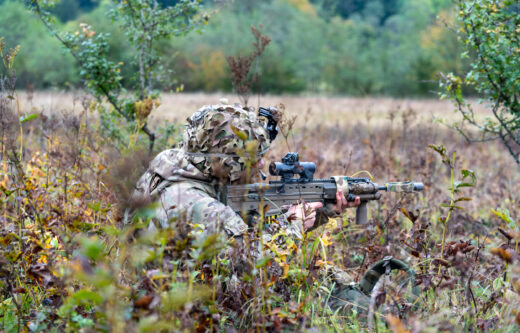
x=342, y=132
x=387, y=137
x=326, y=109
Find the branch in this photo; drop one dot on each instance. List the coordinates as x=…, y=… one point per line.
x=473, y=140
x=143, y=24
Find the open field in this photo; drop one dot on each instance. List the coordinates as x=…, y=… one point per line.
x=329, y=110
x=71, y=263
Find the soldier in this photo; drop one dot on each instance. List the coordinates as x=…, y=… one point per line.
x=186, y=179
x=224, y=144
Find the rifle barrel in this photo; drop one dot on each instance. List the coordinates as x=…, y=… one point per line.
x=402, y=187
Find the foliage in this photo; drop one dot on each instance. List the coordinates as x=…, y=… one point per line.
x=376, y=49
x=490, y=29
x=242, y=77
x=49, y=67
x=145, y=23
x=68, y=260
x=454, y=189
x=309, y=52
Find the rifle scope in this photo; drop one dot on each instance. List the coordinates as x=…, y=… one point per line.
x=291, y=166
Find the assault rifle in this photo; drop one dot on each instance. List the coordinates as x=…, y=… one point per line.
x=278, y=195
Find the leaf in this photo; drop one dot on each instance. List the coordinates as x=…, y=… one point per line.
x=325, y=240
x=411, y=216
x=143, y=302
x=396, y=325
x=24, y=119
x=92, y=247
x=405, y=212
x=314, y=250
x=459, y=184
x=471, y=174
x=505, y=255
x=95, y=207
x=463, y=199
x=285, y=267
x=504, y=216
x=439, y=149
x=175, y=299
x=86, y=297
x=262, y=262
x=241, y=135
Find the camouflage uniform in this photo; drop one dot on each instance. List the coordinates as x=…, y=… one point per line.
x=218, y=143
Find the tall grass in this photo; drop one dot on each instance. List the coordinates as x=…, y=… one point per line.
x=69, y=262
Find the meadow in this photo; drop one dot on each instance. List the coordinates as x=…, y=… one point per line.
x=69, y=263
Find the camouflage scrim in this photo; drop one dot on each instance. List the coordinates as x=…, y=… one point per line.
x=216, y=140
x=407, y=187
x=341, y=183
x=214, y=148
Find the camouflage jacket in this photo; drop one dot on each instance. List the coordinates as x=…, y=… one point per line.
x=183, y=193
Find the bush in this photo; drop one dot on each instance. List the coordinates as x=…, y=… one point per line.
x=490, y=29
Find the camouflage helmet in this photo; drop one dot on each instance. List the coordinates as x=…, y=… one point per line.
x=220, y=139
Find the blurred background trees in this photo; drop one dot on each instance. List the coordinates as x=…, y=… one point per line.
x=354, y=47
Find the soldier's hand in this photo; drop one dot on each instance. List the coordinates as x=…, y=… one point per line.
x=342, y=203
x=306, y=212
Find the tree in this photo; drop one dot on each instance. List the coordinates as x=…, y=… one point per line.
x=38, y=63
x=145, y=22
x=490, y=29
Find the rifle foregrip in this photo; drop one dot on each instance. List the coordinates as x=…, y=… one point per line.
x=361, y=213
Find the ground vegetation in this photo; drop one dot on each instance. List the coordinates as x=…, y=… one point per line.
x=69, y=259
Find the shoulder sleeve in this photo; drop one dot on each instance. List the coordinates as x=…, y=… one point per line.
x=198, y=207
x=150, y=179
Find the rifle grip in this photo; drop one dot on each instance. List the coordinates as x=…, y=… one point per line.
x=361, y=213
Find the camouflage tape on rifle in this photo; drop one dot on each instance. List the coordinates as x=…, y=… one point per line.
x=341, y=183
x=400, y=187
